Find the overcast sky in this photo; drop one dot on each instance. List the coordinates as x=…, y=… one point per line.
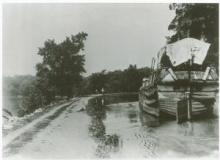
x=118, y=34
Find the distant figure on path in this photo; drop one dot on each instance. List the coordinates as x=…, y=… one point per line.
x=102, y=90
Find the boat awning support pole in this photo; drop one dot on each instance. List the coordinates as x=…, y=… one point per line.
x=172, y=73
x=206, y=73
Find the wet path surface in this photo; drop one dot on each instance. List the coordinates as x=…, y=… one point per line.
x=113, y=127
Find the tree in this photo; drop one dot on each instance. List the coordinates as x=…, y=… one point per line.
x=15, y=86
x=24, y=89
x=32, y=97
x=60, y=71
x=128, y=80
x=132, y=79
x=114, y=82
x=97, y=81
x=198, y=21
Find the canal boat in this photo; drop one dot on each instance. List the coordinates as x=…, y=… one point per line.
x=180, y=84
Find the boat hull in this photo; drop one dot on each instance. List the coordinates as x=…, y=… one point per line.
x=148, y=100
x=171, y=98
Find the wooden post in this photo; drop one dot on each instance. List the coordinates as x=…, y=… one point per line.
x=189, y=106
x=189, y=94
x=181, y=112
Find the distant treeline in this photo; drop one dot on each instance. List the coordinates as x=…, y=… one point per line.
x=26, y=87
x=128, y=80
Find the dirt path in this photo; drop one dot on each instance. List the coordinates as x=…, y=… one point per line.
x=19, y=140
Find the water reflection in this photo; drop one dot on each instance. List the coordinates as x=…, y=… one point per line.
x=148, y=120
x=99, y=108
x=121, y=130
x=133, y=118
x=120, y=98
x=186, y=129
x=106, y=143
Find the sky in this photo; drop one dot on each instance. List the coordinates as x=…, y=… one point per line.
x=118, y=34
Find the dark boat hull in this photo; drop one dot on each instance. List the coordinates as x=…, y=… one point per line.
x=169, y=97
x=148, y=100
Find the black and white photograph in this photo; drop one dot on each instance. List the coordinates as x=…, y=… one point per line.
x=110, y=80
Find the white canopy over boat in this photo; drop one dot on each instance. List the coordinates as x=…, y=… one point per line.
x=182, y=50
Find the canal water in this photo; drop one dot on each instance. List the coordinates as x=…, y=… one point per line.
x=122, y=131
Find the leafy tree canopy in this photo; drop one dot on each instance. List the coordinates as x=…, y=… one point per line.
x=198, y=21
x=62, y=66
x=128, y=80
